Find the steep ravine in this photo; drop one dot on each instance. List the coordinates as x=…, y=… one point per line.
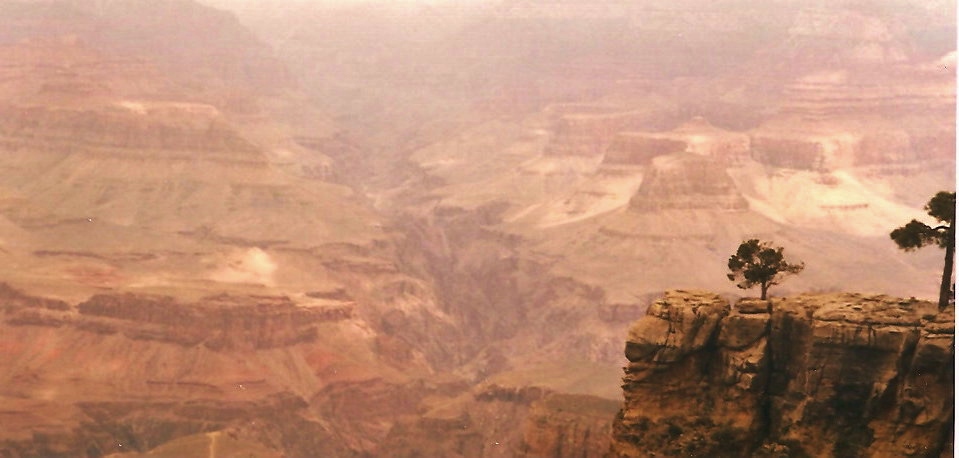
x=504, y=295
x=811, y=376
x=534, y=347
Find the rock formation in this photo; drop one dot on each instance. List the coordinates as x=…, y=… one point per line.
x=506, y=421
x=860, y=116
x=589, y=134
x=810, y=375
x=190, y=41
x=696, y=135
x=638, y=149
x=687, y=181
x=108, y=375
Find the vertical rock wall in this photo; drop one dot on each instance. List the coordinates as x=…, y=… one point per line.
x=823, y=375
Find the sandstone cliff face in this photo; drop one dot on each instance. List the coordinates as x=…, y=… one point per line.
x=812, y=375
x=685, y=181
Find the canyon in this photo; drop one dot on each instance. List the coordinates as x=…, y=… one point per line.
x=425, y=229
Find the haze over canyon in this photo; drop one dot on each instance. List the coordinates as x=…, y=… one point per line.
x=425, y=229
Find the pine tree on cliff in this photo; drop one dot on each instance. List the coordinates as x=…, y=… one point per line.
x=759, y=263
x=915, y=235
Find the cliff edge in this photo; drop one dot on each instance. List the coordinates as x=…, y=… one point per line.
x=812, y=375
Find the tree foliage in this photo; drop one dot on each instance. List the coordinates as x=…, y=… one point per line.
x=915, y=234
x=760, y=263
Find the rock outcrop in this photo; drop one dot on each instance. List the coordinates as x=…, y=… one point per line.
x=108, y=375
x=223, y=323
x=589, y=134
x=694, y=136
x=811, y=375
x=850, y=116
x=687, y=181
x=507, y=421
x=640, y=149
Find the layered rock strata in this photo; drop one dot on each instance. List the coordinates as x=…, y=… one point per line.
x=639, y=149
x=694, y=136
x=812, y=375
x=687, y=181
x=129, y=372
x=507, y=421
x=589, y=134
x=253, y=322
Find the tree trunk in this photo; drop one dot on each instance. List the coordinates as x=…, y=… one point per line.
x=945, y=288
x=764, y=288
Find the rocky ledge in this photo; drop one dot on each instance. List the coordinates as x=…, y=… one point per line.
x=221, y=322
x=812, y=375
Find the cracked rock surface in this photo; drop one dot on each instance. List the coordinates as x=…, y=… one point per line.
x=812, y=375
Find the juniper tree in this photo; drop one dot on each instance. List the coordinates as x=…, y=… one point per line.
x=916, y=235
x=759, y=263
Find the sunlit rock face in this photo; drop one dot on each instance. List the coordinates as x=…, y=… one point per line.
x=687, y=181
x=815, y=375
